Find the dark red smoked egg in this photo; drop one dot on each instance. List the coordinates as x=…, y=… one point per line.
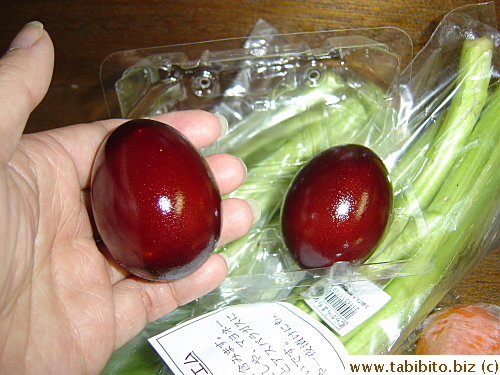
x=337, y=207
x=155, y=203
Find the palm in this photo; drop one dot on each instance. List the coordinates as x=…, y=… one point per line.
x=67, y=286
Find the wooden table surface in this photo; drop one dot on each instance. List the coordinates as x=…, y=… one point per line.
x=86, y=31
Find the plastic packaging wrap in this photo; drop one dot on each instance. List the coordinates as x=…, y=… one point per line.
x=287, y=97
x=281, y=90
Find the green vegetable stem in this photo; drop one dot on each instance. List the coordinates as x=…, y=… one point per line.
x=459, y=200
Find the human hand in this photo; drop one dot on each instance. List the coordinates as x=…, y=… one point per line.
x=64, y=305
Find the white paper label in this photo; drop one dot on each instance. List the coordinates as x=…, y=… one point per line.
x=346, y=306
x=254, y=339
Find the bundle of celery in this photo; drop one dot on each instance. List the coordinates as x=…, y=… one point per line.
x=443, y=159
x=454, y=168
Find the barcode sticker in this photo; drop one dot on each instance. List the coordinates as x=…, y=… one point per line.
x=346, y=306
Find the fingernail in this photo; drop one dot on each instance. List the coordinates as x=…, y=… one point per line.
x=28, y=35
x=224, y=126
x=255, y=209
x=226, y=258
x=244, y=166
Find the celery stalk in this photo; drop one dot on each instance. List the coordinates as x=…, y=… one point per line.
x=288, y=105
x=414, y=297
x=472, y=191
x=467, y=103
x=427, y=163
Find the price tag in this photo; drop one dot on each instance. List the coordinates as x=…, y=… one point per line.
x=253, y=339
x=346, y=306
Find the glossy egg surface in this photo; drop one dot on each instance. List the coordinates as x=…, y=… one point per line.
x=155, y=203
x=337, y=207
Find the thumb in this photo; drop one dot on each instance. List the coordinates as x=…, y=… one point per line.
x=25, y=74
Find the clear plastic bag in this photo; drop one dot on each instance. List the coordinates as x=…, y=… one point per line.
x=429, y=245
x=451, y=108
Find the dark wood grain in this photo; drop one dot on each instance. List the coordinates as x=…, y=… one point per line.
x=86, y=31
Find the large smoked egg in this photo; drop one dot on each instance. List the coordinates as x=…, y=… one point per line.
x=337, y=207
x=155, y=203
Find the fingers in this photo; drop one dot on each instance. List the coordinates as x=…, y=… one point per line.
x=139, y=302
x=238, y=215
x=82, y=141
x=229, y=171
x=199, y=127
x=25, y=74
